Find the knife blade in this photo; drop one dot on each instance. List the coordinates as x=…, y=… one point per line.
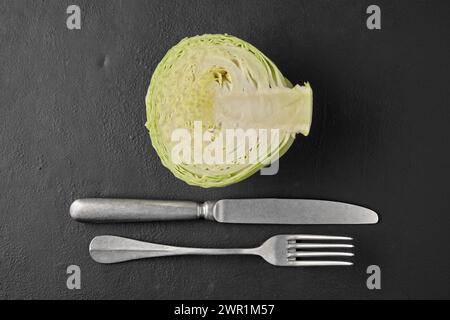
x=239, y=211
x=291, y=211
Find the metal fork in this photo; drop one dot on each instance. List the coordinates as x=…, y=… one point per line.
x=281, y=250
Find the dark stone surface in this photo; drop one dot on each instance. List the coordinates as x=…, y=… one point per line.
x=72, y=120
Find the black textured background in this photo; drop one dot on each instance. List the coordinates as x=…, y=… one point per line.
x=72, y=120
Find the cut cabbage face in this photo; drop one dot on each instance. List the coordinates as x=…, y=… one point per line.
x=219, y=83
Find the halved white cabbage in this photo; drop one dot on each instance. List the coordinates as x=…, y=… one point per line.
x=221, y=83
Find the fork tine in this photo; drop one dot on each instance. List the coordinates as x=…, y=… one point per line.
x=318, y=263
x=319, y=254
x=313, y=237
x=319, y=246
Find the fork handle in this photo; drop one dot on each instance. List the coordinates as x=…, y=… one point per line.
x=111, y=249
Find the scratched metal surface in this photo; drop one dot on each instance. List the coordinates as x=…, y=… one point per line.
x=72, y=120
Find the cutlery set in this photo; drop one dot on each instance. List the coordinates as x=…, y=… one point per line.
x=280, y=250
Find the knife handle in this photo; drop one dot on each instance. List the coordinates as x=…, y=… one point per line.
x=118, y=210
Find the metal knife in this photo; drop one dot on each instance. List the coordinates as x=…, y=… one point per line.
x=244, y=211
